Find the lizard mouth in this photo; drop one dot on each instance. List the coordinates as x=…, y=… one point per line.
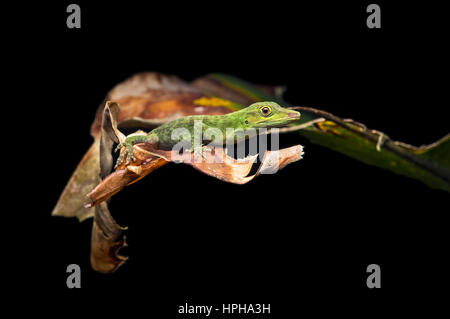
x=294, y=115
x=278, y=125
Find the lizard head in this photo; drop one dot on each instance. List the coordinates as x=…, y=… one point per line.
x=268, y=114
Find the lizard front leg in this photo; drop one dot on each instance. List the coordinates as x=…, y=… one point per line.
x=128, y=152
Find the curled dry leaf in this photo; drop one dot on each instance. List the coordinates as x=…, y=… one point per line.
x=218, y=164
x=107, y=235
x=106, y=241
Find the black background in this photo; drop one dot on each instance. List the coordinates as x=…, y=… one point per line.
x=300, y=239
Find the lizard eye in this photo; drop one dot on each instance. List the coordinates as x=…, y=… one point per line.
x=266, y=111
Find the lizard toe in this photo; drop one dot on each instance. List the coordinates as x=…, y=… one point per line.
x=128, y=159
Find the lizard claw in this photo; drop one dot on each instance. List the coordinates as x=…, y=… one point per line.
x=130, y=157
x=204, y=151
x=119, y=161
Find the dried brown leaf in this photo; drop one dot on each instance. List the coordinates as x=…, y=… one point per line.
x=107, y=239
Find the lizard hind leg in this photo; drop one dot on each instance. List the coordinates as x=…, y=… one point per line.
x=201, y=152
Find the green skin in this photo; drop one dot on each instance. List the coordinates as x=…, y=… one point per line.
x=256, y=116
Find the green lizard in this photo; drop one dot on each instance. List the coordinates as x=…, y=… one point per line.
x=256, y=116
